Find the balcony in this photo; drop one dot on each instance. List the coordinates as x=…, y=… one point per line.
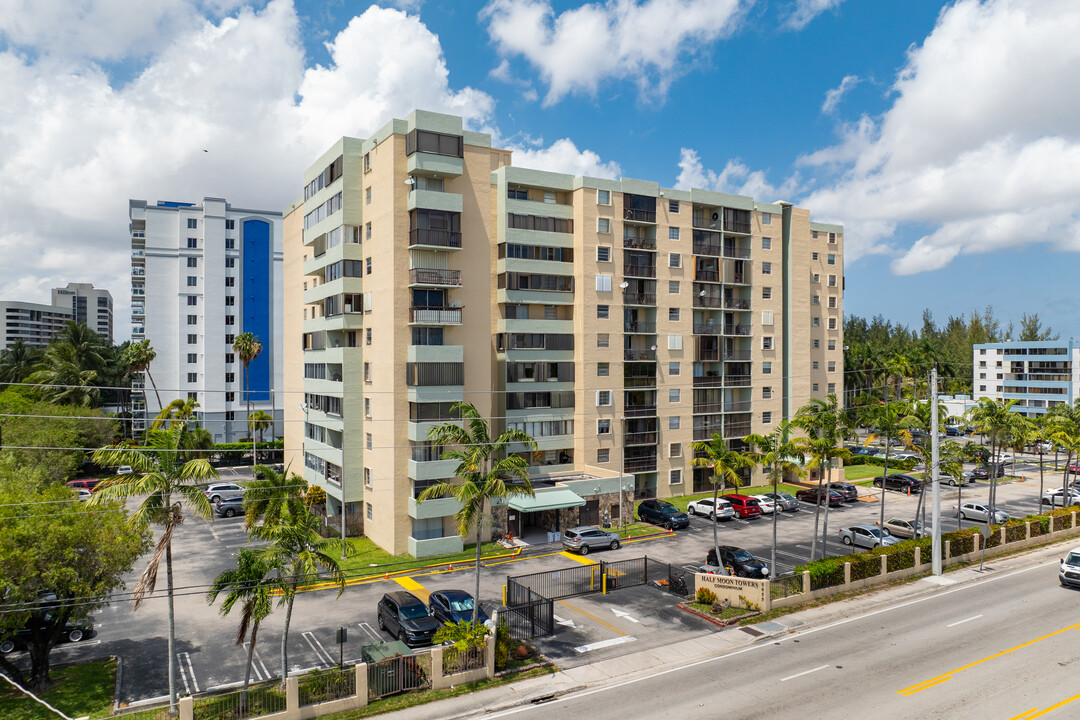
x=639, y=464
x=636, y=298
x=639, y=381
x=638, y=243
x=138, y=253
x=434, y=238
x=735, y=252
x=736, y=430
x=736, y=381
x=435, y=546
x=712, y=408
x=737, y=330
x=732, y=304
x=641, y=216
x=643, y=328
x=138, y=272
x=707, y=329
x=639, y=410
x=436, y=507
x=645, y=271
x=646, y=355
x=432, y=276
x=707, y=276
x=434, y=316
x=714, y=354
x=640, y=438
x=708, y=381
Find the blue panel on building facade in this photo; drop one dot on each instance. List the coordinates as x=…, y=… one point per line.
x=257, y=264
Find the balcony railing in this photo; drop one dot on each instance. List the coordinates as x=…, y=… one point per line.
x=737, y=304
x=736, y=381
x=640, y=382
x=639, y=355
x=716, y=355
x=639, y=465
x=640, y=438
x=435, y=238
x=138, y=253
x=646, y=328
x=736, y=252
x=648, y=216
x=634, y=298
x=708, y=329
x=708, y=301
x=708, y=381
x=720, y=407
x=707, y=276
x=432, y=276
x=435, y=315
x=648, y=271
x=738, y=279
x=138, y=272
x=638, y=243
x=736, y=430
x=739, y=330
x=639, y=410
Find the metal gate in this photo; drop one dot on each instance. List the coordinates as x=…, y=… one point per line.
x=529, y=615
x=398, y=674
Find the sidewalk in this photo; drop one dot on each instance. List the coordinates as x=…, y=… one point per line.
x=649, y=662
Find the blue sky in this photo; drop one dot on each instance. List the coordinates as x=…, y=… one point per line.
x=944, y=136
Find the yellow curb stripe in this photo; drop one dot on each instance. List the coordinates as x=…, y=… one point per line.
x=578, y=558
x=414, y=587
x=926, y=685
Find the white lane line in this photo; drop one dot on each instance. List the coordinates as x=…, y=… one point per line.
x=370, y=631
x=604, y=644
x=961, y=622
x=804, y=672
x=320, y=652
x=803, y=558
x=186, y=658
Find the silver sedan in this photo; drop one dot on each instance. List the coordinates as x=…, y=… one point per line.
x=783, y=500
x=866, y=536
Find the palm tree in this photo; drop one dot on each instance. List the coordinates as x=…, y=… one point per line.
x=273, y=496
x=1064, y=430
x=725, y=464
x=887, y=419
x=299, y=554
x=140, y=355
x=779, y=456
x=995, y=420
x=259, y=421
x=483, y=471
x=248, y=347
x=88, y=347
x=251, y=585
x=17, y=361
x=164, y=480
x=825, y=424
x=176, y=411
x=63, y=380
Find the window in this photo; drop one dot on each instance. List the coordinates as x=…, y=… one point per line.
x=674, y=260
x=367, y=336
x=230, y=415
x=766, y=268
x=192, y=339
x=603, y=253
x=832, y=323
x=767, y=343
x=230, y=243
x=766, y=392
x=193, y=262
x=230, y=262
x=674, y=450
x=814, y=388
x=766, y=417
x=603, y=283
x=766, y=293
x=766, y=317
x=674, y=342
x=673, y=395
x=367, y=372
x=367, y=407
x=815, y=321
x=192, y=300
x=603, y=369
x=673, y=233
x=830, y=388
x=673, y=368
x=832, y=281
x=813, y=256
x=230, y=358
x=192, y=281
x=766, y=368
x=368, y=510
x=602, y=340
x=367, y=266
x=192, y=223
x=603, y=398
x=231, y=282
x=766, y=243
x=602, y=455
x=832, y=366
x=982, y=387
x=602, y=312
x=230, y=339
x=230, y=300
x=982, y=376
x=814, y=365
x=193, y=396
x=675, y=477
x=673, y=314
x=230, y=397
x=832, y=301
x=426, y=141
x=603, y=197
x=230, y=319
x=192, y=358
x=673, y=206
x=673, y=287
x=230, y=377
x=982, y=351
x=193, y=377
x=815, y=299
x=603, y=427
x=192, y=319
x=192, y=243
x=831, y=260
x=816, y=343
x=673, y=422
x=367, y=196
x=832, y=344
x=603, y=225
x=367, y=441
x=815, y=278
x=766, y=218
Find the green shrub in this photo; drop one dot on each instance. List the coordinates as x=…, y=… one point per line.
x=961, y=542
x=705, y=596
x=1040, y=524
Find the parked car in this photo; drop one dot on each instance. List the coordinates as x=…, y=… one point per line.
x=810, y=495
x=229, y=507
x=741, y=562
x=722, y=511
x=849, y=492
x=979, y=512
x=124, y=470
x=452, y=606
x=589, y=537
x=663, y=513
x=952, y=431
x=866, y=536
x=904, y=528
x=746, y=506
x=1005, y=458
x=905, y=455
x=899, y=482
x=1068, y=574
x=786, y=501
x=82, y=494
x=220, y=491
x=858, y=450
x=768, y=507
x=73, y=632
x=1073, y=469
x=1057, y=498
x=983, y=472
x=950, y=480
x=87, y=483
x=404, y=616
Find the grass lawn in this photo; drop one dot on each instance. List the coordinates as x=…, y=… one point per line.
x=77, y=690
x=728, y=614
x=861, y=472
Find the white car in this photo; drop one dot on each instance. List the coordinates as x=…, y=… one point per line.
x=1069, y=573
x=82, y=494
x=1054, y=498
x=124, y=470
x=901, y=528
x=979, y=512
x=223, y=491
x=723, y=510
x=1005, y=458
x=950, y=480
x=768, y=505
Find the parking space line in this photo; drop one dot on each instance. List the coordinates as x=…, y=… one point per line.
x=414, y=587
x=610, y=627
x=256, y=664
x=320, y=652
x=370, y=631
x=183, y=658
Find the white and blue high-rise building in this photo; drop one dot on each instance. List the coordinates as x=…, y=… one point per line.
x=1038, y=375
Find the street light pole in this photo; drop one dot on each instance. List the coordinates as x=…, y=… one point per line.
x=935, y=518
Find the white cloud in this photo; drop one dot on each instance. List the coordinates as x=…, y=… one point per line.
x=836, y=94
x=736, y=178
x=806, y=10
x=578, y=50
x=981, y=143
x=564, y=156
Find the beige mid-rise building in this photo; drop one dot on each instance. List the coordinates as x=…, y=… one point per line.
x=615, y=321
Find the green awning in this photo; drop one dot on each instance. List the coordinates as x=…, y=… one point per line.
x=547, y=500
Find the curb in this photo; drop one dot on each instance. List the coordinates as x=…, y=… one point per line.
x=717, y=621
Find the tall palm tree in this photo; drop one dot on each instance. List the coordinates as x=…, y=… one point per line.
x=176, y=411
x=164, y=481
x=273, y=496
x=887, y=419
x=260, y=421
x=63, y=380
x=825, y=424
x=485, y=471
x=140, y=355
x=299, y=554
x=17, y=361
x=250, y=584
x=248, y=347
x=995, y=421
x=779, y=456
x=88, y=347
x=725, y=465
x=1064, y=430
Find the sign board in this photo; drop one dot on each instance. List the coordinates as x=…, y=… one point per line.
x=730, y=588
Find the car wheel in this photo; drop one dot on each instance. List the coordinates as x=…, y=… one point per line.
x=963, y=516
x=8, y=645
x=382, y=625
x=215, y=499
x=847, y=540
x=584, y=550
x=669, y=527
x=229, y=512
x=712, y=516
x=401, y=635
x=740, y=573
x=954, y=483
x=75, y=635
x=614, y=544
x=692, y=510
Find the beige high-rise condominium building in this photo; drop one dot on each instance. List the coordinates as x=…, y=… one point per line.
x=614, y=321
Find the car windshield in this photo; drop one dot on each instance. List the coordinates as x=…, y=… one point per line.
x=1073, y=559
x=669, y=510
x=413, y=612
x=743, y=556
x=874, y=531
x=462, y=605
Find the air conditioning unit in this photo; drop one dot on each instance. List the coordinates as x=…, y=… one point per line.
x=715, y=216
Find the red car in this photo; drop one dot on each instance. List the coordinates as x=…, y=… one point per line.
x=88, y=483
x=1074, y=468
x=745, y=506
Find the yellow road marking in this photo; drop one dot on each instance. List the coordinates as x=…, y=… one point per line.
x=946, y=676
x=1028, y=715
x=578, y=558
x=1025, y=715
x=414, y=587
x=612, y=628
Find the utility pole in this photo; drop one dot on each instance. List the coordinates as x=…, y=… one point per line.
x=935, y=517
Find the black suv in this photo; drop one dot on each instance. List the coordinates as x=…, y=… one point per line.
x=740, y=561
x=404, y=616
x=659, y=512
x=903, y=483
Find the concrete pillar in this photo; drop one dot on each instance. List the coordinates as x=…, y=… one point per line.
x=187, y=708
x=806, y=582
x=918, y=556
x=292, y=694
x=1027, y=530
x=948, y=550
x=1002, y=531
x=361, y=685
x=489, y=655
x=1073, y=514
x=884, y=564
x=847, y=573
x=438, y=679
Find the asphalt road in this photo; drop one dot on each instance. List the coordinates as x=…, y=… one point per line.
x=1003, y=647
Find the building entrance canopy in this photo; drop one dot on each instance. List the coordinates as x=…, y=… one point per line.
x=555, y=499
